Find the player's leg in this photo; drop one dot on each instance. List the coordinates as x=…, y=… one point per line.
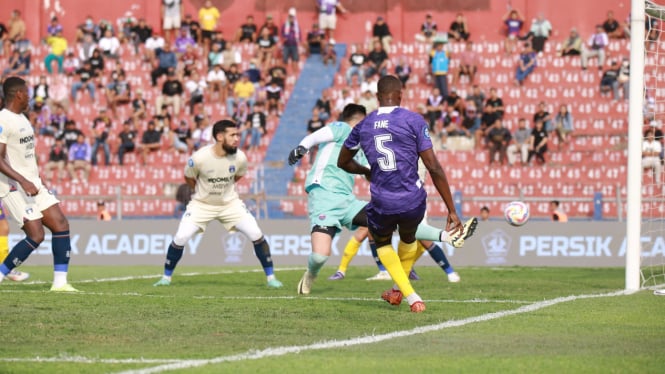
x=350, y=250
x=15, y=275
x=438, y=256
x=248, y=226
x=186, y=230
x=322, y=237
x=55, y=220
x=354, y=218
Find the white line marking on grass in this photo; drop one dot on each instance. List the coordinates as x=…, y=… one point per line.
x=281, y=351
x=86, y=360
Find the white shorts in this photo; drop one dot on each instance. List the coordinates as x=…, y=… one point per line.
x=327, y=21
x=28, y=208
x=171, y=23
x=200, y=214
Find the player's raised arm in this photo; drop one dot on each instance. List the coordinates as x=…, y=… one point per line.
x=322, y=135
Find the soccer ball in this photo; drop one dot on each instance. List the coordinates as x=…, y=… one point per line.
x=516, y=213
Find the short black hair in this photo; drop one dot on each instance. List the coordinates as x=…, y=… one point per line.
x=221, y=126
x=555, y=202
x=351, y=110
x=11, y=86
x=485, y=209
x=389, y=83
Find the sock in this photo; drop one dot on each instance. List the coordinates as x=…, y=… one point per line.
x=413, y=298
x=372, y=247
x=19, y=253
x=262, y=251
x=173, y=255
x=350, y=250
x=59, y=278
x=315, y=263
x=4, y=247
x=440, y=258
x=392, y=263
x=427, y=232
x=407, y=255
x=420, y=249
x=61, y=247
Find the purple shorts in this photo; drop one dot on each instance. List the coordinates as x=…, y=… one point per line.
x=385, y=224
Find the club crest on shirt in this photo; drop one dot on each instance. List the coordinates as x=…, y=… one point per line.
x=232, y=169
x=426, y=132
x=0, y=129
x=190, y=163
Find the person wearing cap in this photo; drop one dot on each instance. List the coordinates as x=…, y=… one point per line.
x=572, y=46
x=328, y=16
x=58, y=46
x=595, y=48
x=247, y=31
x=291, y=39
x=172, y=14
x=102, y=213
x=382, y=31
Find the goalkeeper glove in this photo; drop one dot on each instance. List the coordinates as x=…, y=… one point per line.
x=296, y=154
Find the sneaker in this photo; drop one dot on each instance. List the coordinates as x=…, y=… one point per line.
x=380, y=276
x=17, y=275
x=418, y=307
x=468, y=229
x=413, y=275
x=337, y=276
x=162, y=282
x=454, y=277
x=274, y=283
x=394, y=297
x=305, y=284
x=64, y=288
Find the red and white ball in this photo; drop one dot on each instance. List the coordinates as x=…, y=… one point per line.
x=516, y=213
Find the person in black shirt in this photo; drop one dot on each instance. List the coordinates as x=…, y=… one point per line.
x=127, y=141
x=498, y=138
x=493, y=107
x=381, y=31
x=266, y=45
x=458, y=29
x=247, y=31
x=272, y=28
x=612, y=27
x=70, y=134
x=538, y=143
x=182, y=138
x=140, y=33
x=256, y=125
x=543, y=116
x=357, y=60
x=57, y=159
x=428, y=30
x=274, y=97
x=150, y=141
x=85, y=75
x=139, y=109
x=97, y=65
x=315, y=123
x=100, y=130
x=314, y=39
x=193, y=28
x=324, y=106
x=171, y=94
x=119, y=93
x=277, y=73
x=377, y=61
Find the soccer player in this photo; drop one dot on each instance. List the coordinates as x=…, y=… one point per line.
x=22, y=191
x=331, y=203
x=212, y=172
x=16, y=275
x=393, y=139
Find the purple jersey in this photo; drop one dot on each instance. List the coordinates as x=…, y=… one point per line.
x=392, y=138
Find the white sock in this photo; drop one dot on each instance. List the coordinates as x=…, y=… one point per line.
x=167, y=277
x=2, y=276
x=444, y=237
x=59, y=278
x=271, y=277
x=413, y=298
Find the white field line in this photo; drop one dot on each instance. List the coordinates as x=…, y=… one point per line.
x=87, y=360
x=281, y=351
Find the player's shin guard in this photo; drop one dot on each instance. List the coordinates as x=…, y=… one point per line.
x=375, y=255
x=350, y=251
x=315, y=263
x=440, y=258
x=18, y=255
x=173, y=255
x=262, y=251
x=392, y=263
x=4, y=247
x=61, y=248
x=427, y=232
x=407, y=255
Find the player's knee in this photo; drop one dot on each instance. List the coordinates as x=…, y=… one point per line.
x=180, y=239
x=330, y=230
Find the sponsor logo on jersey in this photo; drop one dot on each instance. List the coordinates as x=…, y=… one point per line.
x=220, y=180
x=26, y=139
x=232, y=169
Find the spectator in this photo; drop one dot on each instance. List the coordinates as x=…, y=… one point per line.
x=595, y=48
x=54, y=27
x=71, y=64
x=217, y=82
x=572, y=46
x=193, y=28
x=369, y=101
x=57, y=159
x=184, y=42
x=342, y=101
x=557, y=214
x=16, y=33
x=468, y=64
x=623, y=80
x=85, y=76
x=182, y=138
x=19, y=63
x=109, y=45
x=291, y=40
x=243, y=92
x=202, y=134
x=315, y=123
x=256, y=122
x=189, y=60
x=172, y=91
x=357, y=61
x=172, y=14
x=609, y=80
x=71, y=134
x=519, y=143
x=215, y=57
x=233, y=77
x=102, y=213
x=86, y=48
x=455, y=101
x=542, y=115
x=324, y=105
x=314, y=40
x=183, y=196
x=79, y=159
x=328, y=16
x=459, y=29
x=540, y=31
x=651, y=150
x=273, y=29
x=247, y=31
x=402, y=71
x=528, y=62
x=382, y=32
x=266, y=44
x=41, y=89
x=328, y=53
x=196, y=87
x=97, y=66
x=477, y=96
x=470, y=120
x=440, y=62
x=58, y=46
x=612, y=27
x=151, y=140
x=652, y=26
x=140, y=33
x=167, y=63
x=88, y=28
x=428, y=30
x=153, y=48
x=59, y=94
x=496, y=107
x=218, y=39
x=230, y=55
x=40, y=114
x=498, y=139
x=377, y=61
x=100, y=130
x=208, y=17
x=57, y=122
x=563, y=124
x=274, y=97
x=277, y=73
x=118, y=93
x=514, y=22
x=537, y=143
x=484, y=213
x=127, y=141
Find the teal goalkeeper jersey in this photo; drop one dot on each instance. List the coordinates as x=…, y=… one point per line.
x=324, y=172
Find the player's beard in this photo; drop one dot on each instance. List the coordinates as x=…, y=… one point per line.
x=229, y=149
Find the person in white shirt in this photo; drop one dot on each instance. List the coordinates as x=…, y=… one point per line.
x=86, y=48
x=217, y=82
x=212, y=172
x=651, y=149
x=110, y=45
x=343, y=100
x=23, y=194
x=196, y=87
x=153, y=45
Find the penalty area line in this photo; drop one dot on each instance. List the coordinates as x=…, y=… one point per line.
x=281, y=351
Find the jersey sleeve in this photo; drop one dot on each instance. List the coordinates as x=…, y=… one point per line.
x=421, y=128
x=353, y=140
x=191, y=169
x=241, y=166
x=340, y=131
x=5, y=133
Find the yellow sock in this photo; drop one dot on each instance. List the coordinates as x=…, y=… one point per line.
x=420, y=250
x=392, y=263
x=4, y=247
x=352, y=247
x=407, y=255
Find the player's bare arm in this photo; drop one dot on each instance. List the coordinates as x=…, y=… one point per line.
x=441, y=183
x=347, y=163
x=7, y=170
x=191, y=182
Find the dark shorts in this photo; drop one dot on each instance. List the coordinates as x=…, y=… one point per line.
x=206, y=34
x=385, y=224
x=290, y=51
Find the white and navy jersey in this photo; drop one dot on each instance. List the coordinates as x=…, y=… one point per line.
x=17, y=133
x=215, y=176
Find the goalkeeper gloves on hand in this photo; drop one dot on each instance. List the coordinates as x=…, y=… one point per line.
x=296, y=154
